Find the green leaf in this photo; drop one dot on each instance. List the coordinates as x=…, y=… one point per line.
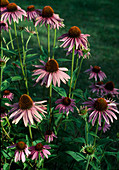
x=16, y=78
x=61, y=91
x=5, y=85
x=93, y=134
x=9, y=51
x=31, y=58
x=110, y=153
x=6, y=166
x=77, y=156
x=31, y=55
x=63, y=59
x=80, y=140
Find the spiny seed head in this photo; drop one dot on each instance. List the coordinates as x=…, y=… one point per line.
x=96, y=69
x=31, y=8
x=38, y=147
x=89, y=150
x=48, y=132
x=2, y=109
x=109, y=86
x=20, y=145
x=12, y=7
x=47, y=12
x=2, y=63
x=25, y=102
x=74, y=32
x=100, y=104
x=6, y=92
x=2, y=24
x=52, y=66
x=66, y=101
x=4, y=3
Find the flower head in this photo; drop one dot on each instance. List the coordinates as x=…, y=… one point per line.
x=101, y=107
x=105, y=128
x=49, y=136
x=2, y=113
x=96, y=72
x=97, y=87
x=3, y=25
x=74, y=37
x=65, y=104
x=3, y=5
x=89, y=150
x=14, y=12
x=3, y=61
x=50, y=71
x=39, y=149
x=21, y=150
x=49, y=17
x=8, y=94
x=27, y=109
x=83, y=112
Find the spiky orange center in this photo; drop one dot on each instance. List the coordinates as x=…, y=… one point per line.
x=100, y=104
x=4, y=3
x=96, y=69
x=109, y=86
x=25, y=102
x=6, y=92
x=2, y=109
x=74, y=32
x=47, y=12
x=48, y=132
x=39, y=147
x=100, y=83
x=20, y=145
x=52, y=66
x=31, y=8
x=66, y=101
x=12, y=7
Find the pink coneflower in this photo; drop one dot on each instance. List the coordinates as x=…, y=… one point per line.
x=39, y=149
x=65, y=105
x=14, y=12
x=21, y=150
x=105, y=128
x=49, y=17
x=27, y=109
x=74, y=37
x=32, y=13
x=110, y=89
x=3, y=5
x=50, y=71
x=96, y=72
x=2, y=113
x=3, y=25
x=7, y=94
x=49, y=136
x=97, y=87
x=101, y=107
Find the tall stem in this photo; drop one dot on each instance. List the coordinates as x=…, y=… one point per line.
x=86, y=130
x=10, y=35
x=54, y=43
x=50, y=104
x=1, y=44
x=38, y=39
x=88, y=163
x=24, y=55
x=96, y=132
x=77, y=60
x=72, y=70
x=48, y=41
x=1, y=73
x=30, y=132
x=28, y=42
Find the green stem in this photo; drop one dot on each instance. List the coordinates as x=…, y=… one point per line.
x=48, y=41
x=5, y=43
x=38, y=39
x=77, y=61
x=8, y=121
x=1, y=44
x=30, y=132
x=1, y=73
x=96, y=132
x=7, y=134
x=54, y=43
x=86, y=130
x=28, y=42
x=24, y=55
x=88, y=163
x=11, y=40
x=50, y=104
x=102, y=129
x=72, y=70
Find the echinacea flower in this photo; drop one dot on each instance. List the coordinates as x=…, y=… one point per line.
x=27, y=109
x=49, y=17
x=21, y=150
x=39, y=149
x=49, y=136
x=101, y=107
x=3, y=25
x=88, y=149
x=105, y=128
x=14, y=12
x=3, y=5
x=32, y=13
x=74, y=37
x=50, y=71
x=2, y=113
x=3, y=61
x=109, y=88
x=7, y=94
x=96, y=73
x=65, y=104
x=97, y=87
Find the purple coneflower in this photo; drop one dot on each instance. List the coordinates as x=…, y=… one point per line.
x=32, y=13
x=74, y=37
x=96, y=72
x=14, y=12
x=101, y=107
x=105, y=128
x=27, y=109
x=65, y=105
x=2, y=113
x=21, y=150
x=49, y=17
x=49, y=136
x=97, y=87
x=110, y=89
x=7, y=94
x=3, y=5
x=50, y=71
x=3, y=25
x=39, y=149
